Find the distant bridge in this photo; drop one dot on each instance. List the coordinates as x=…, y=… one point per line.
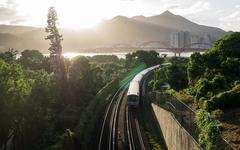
x=191, y=48
x=147, y=46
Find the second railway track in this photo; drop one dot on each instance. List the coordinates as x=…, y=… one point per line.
x=108, y=135
x=120, y=129
x=135, y=139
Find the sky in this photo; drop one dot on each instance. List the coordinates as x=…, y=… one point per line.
x=224, y=14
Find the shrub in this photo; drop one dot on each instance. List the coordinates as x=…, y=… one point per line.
x=224, y=100
x=209, y=130
x=217, y=113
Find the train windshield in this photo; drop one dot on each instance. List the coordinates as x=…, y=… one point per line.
x=132, y=98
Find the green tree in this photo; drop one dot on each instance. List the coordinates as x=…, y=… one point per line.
x=231, y=69
x=34, y=60
x=209, y=130
x=150, y=58
x=228, y=46
x=9, y=56
x=56, y=58
x=195, y=67
x=14, y=91
x=174, y=73
x=225, y=100
x=177, y=76
x=37, y=129
x=81, y=80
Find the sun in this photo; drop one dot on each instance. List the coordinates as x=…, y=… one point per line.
x=71, y=14
x=80, y=14
x=76, y=20
x=75, y=13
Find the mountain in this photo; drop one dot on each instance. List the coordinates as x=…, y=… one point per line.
x=120, y=29
x=179, y=23
x=15, y=29
x=126, y=30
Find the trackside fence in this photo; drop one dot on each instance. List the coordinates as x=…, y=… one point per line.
x=184, y=114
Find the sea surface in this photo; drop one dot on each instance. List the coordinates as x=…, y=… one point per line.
x=71, y=55
x=119, y=54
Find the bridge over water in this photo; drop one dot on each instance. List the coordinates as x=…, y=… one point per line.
x=147, y=46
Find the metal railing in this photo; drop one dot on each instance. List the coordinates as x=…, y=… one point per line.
x=184, y=114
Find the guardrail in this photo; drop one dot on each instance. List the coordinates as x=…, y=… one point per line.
x=185, y=115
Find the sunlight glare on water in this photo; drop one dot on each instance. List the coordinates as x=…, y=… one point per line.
x=71, y=55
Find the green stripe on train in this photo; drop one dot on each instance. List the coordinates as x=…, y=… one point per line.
x=132, y=74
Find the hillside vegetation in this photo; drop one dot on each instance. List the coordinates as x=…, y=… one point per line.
x=210, y=84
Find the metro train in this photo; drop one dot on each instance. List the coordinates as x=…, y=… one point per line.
x=134, y=90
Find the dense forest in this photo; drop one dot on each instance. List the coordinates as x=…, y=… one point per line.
x=34, y=112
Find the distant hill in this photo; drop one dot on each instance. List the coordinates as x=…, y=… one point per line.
x=126, y=30
x=135, y=30
x=15, y=29
x=179, y=23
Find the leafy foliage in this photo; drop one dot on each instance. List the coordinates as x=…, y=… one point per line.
x=175, y=73
x=213, y=73
x=225, y=100
x=24, y=110
x=14, y=90
x=210, y=130
x=228, y=46
x=214, y=81
x=84, y=80
x=37, y=128
x=54, y=36
x=206, y=88
x=56, y=59
x=195, y=67
x=34, y=60
x=9, y=56
x=181, y=95
x=156, y=84
x=150, y=58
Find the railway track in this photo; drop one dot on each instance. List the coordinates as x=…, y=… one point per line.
x=107, y=139
x=135, y=139
x=120, y=129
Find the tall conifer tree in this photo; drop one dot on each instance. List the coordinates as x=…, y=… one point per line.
x=56, y=58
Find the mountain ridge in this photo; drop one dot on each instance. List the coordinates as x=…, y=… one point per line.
x=120, y=29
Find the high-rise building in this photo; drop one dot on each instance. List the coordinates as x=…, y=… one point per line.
x=180, y=39
x=195, y=39
x=174, y=39
x=185, y=39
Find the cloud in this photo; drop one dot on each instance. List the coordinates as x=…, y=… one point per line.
x=171, y=6
x=194, y=8
x=237, y=6
x=200, y=6
x=231, y=21
x=8, y=13
x=17, y=21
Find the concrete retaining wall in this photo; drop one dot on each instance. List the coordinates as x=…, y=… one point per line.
x=176, y=137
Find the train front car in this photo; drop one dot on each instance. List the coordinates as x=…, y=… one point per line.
x=133, y=94
x=134, y=90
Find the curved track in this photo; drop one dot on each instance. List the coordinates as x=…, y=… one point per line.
x=135, y=140
x=120, y=129
x=108, y=136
